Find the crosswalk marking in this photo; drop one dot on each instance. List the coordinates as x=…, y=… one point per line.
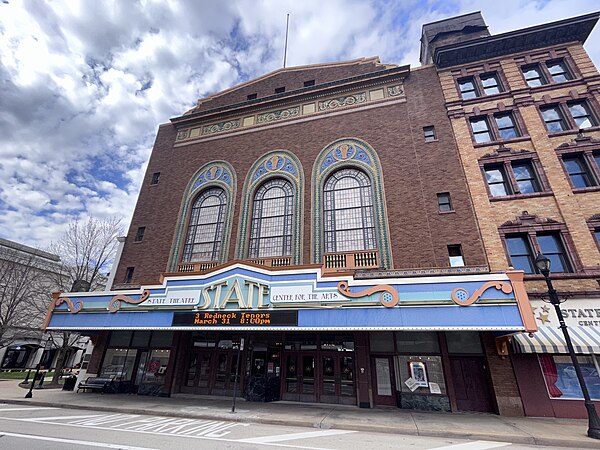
x=477, y=445
x=290, y=437
x=26, y=409
x=74, y=441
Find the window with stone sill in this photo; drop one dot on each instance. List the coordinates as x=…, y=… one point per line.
x=524, y=247
x=582, y=168
x=594, y=225
x=511, y=178
x=564, y=116
x=546, y=72
x=527, y=236
x=494, y=127
x=479, y=85
x=444, y=202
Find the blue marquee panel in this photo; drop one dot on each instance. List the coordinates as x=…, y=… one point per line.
x=489, y=317
x=443, y=316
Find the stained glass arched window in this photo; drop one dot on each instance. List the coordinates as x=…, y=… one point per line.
x=348, y=212
x=272, y=219
x=205, y=228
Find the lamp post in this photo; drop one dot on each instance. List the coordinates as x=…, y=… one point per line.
x=543, y=265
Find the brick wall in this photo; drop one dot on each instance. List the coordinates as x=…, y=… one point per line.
x=564, y=206
x=413, y=172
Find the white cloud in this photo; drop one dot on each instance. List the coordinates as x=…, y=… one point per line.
x=83, y=85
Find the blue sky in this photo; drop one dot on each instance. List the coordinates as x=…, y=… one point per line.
x=84, y=85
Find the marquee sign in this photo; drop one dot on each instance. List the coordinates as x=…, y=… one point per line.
x=243, y=296
x=238, y=318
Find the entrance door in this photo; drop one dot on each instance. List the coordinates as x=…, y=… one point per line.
x=225, y=371
x=300, y=377
x=142, y=366
x=337, y=378
x=470, y=383
x=384, y=390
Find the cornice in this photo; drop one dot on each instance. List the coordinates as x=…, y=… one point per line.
x=292, y=96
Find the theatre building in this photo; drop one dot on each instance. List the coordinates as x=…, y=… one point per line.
x=311, y=230
x=524, y=107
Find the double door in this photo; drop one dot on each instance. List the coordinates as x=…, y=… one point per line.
x=326, y=377
x=212, y=372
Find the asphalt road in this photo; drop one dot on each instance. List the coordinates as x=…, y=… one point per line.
x=32, y=428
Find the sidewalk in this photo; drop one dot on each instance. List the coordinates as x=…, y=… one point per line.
x=520, y=430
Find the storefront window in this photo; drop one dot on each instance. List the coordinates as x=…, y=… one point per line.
x=561, y=379
x=426, y=373
x=382, y=342
x=118, y=363
x=120, y=339
x=417, y=342
x=464, y=342
x=141, y=339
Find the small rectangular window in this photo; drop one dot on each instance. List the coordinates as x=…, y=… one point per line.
x=309, y=83
x=139, y=236
x=520, y=253
x=468, y=88
x=553, y=119
x=534, y=76
x=581, y=114
x=481, y=130
x=456, y=256
x=507, y=129
x=444, y=202
x=155, y=178
x=128, y=275
x=497, y=180
x=279, y=90
x=429, y=134
x=578, y=171
x=558, y=71
x=251, y=96
x=491, y=84
x=597, y=235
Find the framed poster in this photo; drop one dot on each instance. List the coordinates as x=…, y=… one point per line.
x=418, y=373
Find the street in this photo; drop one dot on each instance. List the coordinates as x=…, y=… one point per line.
x=31, y=427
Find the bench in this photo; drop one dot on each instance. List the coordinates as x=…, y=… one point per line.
x=102, y=384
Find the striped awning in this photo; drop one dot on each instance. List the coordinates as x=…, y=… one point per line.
x=586, y=340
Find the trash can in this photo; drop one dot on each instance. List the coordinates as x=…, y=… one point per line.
x=69, y=383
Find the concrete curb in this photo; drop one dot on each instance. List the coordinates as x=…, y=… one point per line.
x=526, y=438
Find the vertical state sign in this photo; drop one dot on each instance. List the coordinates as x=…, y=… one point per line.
x=235, y=319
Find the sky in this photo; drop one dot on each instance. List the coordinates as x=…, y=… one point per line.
x=85, y=84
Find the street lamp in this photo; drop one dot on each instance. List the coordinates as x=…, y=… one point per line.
x=543, y=265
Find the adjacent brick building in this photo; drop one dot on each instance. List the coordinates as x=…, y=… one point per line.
x=524, y=110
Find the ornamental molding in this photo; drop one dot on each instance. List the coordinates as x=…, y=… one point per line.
x=394, y=91
x=342, y=102
x=503, y=151
x=115, y=303
x=221, y=126
x=321, y=103
x=280, y=114
x=214, y=172
x=526, y=219
x=461, y=296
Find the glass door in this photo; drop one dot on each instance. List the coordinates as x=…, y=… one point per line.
x=383, y=389
x=307, y=380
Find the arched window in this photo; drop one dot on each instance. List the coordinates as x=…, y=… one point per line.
x=348, y=208
x=272, y=219
x=205, y=229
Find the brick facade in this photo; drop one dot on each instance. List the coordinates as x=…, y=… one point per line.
x=412, y=176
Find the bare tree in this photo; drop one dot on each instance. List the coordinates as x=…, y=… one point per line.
x=27, y=276
x=87, y=249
